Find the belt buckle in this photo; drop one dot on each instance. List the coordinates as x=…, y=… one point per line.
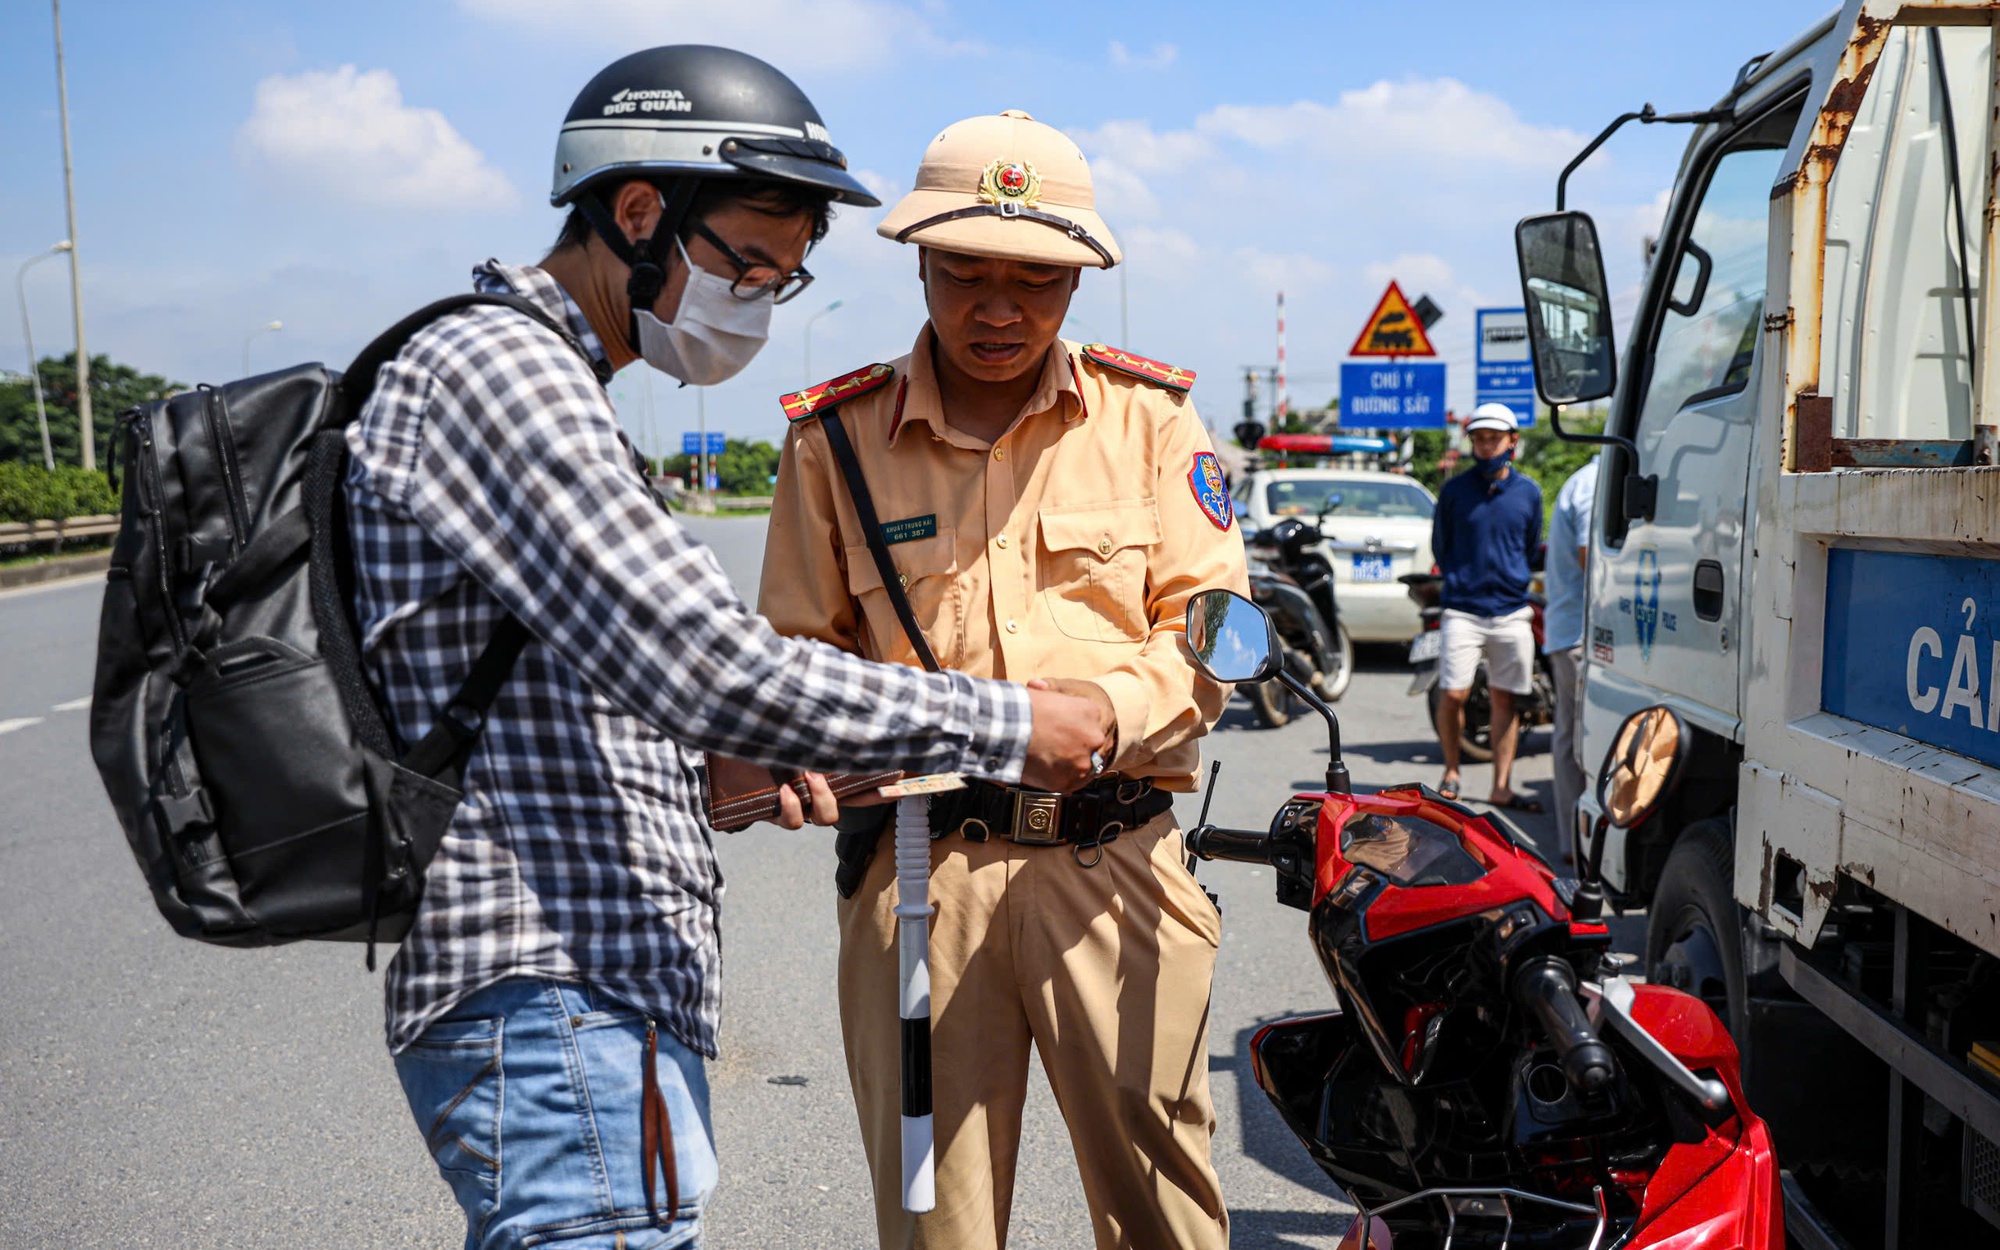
x=1036, y=820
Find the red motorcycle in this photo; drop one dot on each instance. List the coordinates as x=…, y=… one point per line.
x=1489, y=1081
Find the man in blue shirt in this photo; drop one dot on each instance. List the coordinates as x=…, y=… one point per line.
x=1488, y=522
x=1562, y=633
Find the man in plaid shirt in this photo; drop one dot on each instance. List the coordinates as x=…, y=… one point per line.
x=568, y=927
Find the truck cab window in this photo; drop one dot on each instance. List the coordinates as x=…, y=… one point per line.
x=1708, y=329
x=1896, y=340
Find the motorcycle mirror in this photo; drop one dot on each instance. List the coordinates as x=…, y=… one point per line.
x=1643, y=766
x=1231, y=638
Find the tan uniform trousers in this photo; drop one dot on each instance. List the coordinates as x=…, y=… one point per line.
x=1106, y=971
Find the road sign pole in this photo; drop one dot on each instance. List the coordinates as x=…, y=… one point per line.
x=701, y=417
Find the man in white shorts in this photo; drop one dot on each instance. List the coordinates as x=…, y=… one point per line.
x=1488, y=524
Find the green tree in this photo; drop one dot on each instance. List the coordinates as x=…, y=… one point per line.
x=1551, y=460
x=744, y=468
x=113, y=389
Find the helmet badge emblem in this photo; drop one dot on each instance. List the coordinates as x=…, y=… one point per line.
x=1011, y=182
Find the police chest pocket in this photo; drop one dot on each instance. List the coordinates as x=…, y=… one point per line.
x=1094, y=568
x=927, y=568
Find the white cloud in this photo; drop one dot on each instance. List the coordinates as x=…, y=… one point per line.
x=881, y=186
x=848, y=32
x=1415, y=271
x=1439, y=119
x=1419, y=180
x=346, y=134
x=1159, y=57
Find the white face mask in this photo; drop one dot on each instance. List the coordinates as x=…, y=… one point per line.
x=711, y=337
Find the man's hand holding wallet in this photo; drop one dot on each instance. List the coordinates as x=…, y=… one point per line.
x=1072, y=739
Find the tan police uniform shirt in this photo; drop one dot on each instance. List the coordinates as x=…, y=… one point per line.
x=1069, y=548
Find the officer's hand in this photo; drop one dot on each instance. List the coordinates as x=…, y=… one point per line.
x=1083, y=690
x=1067, y=729
x=791, y=812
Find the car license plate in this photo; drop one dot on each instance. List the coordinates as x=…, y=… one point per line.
x=1371, y=566
x=1426, y=646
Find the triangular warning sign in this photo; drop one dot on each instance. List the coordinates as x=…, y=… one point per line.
x=1393, y=330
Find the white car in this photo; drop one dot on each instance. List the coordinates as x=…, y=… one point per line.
x=1377, y=526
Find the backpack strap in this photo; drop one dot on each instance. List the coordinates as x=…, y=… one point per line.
x=359, y=380
x=451, y=738
x=459, y=722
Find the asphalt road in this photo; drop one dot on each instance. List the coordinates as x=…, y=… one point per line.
x=156, y=1092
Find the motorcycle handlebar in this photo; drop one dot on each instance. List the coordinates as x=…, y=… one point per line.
x=1242, y=845
x=1546, y=990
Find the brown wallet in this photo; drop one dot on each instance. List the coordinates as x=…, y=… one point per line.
x=741, y=793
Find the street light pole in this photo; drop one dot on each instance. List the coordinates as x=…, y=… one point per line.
x=809, y=338
x=86, y=428
x=28, y=336
x=269, y=326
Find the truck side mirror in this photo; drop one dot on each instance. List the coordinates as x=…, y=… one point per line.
x=1569, y=307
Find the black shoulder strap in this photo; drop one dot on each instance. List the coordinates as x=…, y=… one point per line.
x=459, y=722
x=871, y=529
x=359, y=380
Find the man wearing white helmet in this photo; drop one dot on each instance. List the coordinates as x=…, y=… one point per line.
x=1049, y=508
x=552, y=1007
x=1487, y=525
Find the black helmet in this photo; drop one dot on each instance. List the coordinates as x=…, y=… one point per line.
x=693, y=111
x=677, y=116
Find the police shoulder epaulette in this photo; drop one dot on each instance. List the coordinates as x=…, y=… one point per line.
x=814, y=400
x=1169, y=376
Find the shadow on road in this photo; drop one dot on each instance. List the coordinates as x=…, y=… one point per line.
x=1284, y=1228
x=1267, y=1141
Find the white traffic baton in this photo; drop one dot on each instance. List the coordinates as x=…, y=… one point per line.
x=913, y=951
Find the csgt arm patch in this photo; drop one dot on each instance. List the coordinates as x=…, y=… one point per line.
x=1211, y=493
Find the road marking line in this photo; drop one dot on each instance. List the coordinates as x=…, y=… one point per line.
x=74, y=705
x=19, y=722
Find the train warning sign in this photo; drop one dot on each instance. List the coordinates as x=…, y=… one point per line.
x=1393, y=329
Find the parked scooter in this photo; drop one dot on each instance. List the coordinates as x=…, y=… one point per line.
x=1490, y=1080
x=1296, y=586
x=1476, y=744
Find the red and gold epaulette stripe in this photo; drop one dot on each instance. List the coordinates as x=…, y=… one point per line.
x=817, y=399
x=1169, y=376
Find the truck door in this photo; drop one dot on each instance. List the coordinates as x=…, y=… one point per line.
x=1665, y=593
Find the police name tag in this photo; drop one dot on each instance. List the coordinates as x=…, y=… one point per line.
x=936, y=783
x=910, y=529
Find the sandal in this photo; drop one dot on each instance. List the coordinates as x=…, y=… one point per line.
x=1449, y=788
x=1517, y=803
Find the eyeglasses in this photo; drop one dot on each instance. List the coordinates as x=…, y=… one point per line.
x=755, y=279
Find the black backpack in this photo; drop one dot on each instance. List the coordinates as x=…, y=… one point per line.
x=249, y=758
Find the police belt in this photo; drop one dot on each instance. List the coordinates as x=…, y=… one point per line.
x=1091, y=816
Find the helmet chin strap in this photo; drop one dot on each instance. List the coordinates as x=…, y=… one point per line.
x=648, y=258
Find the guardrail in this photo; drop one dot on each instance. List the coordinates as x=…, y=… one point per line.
x=21, y=533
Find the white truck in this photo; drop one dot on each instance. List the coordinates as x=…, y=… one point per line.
x=1797, y=550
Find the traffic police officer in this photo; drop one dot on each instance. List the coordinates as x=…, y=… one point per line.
x=1050, y=507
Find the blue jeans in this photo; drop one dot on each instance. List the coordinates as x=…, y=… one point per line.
x=528, y=1095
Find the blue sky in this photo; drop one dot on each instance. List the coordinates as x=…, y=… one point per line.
x=335, y=165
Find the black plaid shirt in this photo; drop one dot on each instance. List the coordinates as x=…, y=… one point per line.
x=489, y=475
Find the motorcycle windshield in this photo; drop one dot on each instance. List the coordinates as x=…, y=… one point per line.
x=1408, y=851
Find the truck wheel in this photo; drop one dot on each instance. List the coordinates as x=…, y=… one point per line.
x=1475, y=745
x=1333, y=684
x=1694, y=939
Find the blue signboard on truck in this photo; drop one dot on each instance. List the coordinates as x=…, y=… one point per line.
x=1913, y=646
x=1392, y=396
